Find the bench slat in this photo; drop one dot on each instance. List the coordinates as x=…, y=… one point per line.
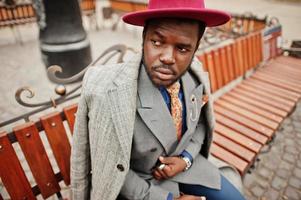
x=284, y=102
x=258, y=103
x=230, y=62
x=217, y=69
x=241, y=111
x=11, y=172
x=245, y=121
x=271, y=89
x=289, y=62
x=225, y=68
x=211, y=70
x=35, y=154
x=263, y=99
x=234, y=148
x=229, y=158
x=293, y=78
x=277, y=82
x=241, y=129
x=279, y=76
x=58, y=140
x=238, y=138
x=252, y=108
x=246, y=59
x=70, y=113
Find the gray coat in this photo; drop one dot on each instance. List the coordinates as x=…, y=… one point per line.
x=104, y=129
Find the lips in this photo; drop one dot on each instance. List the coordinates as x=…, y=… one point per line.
x=163, y=74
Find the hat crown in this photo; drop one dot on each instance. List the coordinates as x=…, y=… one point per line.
x=165, y=4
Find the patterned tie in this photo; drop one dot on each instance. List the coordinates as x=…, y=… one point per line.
x=176, y=107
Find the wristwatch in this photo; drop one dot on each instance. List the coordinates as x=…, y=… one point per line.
x=187, y=161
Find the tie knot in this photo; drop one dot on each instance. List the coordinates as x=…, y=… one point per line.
x=174, y=89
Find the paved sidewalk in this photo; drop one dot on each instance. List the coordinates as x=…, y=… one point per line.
x=278, y=173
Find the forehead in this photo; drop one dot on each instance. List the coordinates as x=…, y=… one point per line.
x=166, y=27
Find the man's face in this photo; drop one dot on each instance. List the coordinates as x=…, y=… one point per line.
x=168, y=50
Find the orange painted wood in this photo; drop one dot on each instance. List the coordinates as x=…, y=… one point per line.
x=238, y=138
x=276, y=67
x=294, y=79
x=230, y=62
x=259, y=103
x=201, y=58
x=234, y=148
x=236, y=59
x=235, y=126
x=221, y=153
x=271, y=89
x=289, y=61
x=263, y=99
x=218, y=69
x=70, y=112
x=252, y=108
x=11, y=172
x=245, y=121
x=224, y=65
x=35, y=154
x=285, y=103
x=58, y=140
x=278, y=82
x=260, y=44
x=248, y=114
x=121, y=6
x=246, y=58
x=241, y=57
x=211, y=70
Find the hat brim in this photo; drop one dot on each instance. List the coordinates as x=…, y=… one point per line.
x=210, y=17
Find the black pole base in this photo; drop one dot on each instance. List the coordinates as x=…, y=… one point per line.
x=73, y=57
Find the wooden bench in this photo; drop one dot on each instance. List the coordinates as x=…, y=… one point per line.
x=246, y=121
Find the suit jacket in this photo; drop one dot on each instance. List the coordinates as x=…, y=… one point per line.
x=155, y=135
x=104, y=129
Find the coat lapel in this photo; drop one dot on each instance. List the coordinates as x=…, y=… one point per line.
x=155, y=114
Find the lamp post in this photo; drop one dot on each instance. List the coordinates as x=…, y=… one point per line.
x=63, y=40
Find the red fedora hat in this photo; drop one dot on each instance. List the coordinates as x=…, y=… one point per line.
x=191, y=9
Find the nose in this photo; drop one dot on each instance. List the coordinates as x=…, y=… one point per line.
x=167, y=56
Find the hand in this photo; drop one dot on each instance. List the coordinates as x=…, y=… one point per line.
x=190, y=197
x=173, y=166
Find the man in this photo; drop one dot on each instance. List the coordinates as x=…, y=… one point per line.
x=143, y=128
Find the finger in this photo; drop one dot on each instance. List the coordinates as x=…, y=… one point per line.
x=168, y=171
x=202, y=198
x=162, y=173
x=157, y=175
x=167, y=160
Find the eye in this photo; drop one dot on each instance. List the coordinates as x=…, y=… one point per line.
x=182, y=49
x=156, y=43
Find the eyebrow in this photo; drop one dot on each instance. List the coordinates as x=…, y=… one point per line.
x=183, y=45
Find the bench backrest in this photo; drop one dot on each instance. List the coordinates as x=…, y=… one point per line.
x=47, y=168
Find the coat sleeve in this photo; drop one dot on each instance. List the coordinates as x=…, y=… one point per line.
x=136, y=188
x=80, y=151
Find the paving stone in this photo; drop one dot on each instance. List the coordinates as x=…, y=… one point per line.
x=297, y=172
x=278, y=183
x=272, y=194
x=257, y=191
x=295, y=182
x=283, y=173
x=265, y=173
x=289, y=158
x=292, y=150
x=292, y=193
x=285, y=165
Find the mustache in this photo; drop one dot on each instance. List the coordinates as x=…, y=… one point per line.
x=161, y=66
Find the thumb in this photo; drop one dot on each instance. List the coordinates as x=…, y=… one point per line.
x=167, y=160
